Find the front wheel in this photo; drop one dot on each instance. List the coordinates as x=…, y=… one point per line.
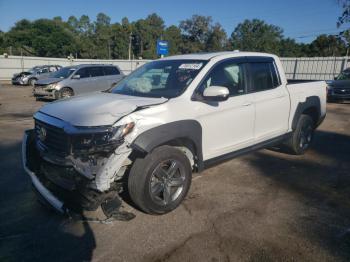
x=159, y=182
x=32, y=82
x=66, y=92
x=302, y=136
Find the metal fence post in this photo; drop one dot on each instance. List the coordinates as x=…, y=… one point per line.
x=343, y=64
x=295, y=68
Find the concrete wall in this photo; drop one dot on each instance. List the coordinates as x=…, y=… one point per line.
x=15, y=64
x=313, y=68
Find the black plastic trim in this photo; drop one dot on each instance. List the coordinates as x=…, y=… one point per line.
x=310, y=102
x=160, y=135
x=271, y=142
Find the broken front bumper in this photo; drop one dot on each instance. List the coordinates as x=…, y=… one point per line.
x=63, y=186
x=40, y=92
x=41, y=189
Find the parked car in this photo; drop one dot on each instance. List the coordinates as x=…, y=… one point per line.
x=76, y=80
x=167, y=119
x=339, y=88
x=34, y=74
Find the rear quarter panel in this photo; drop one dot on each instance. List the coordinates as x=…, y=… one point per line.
x=300, y=92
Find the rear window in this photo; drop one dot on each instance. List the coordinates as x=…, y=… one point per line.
x=263, y=76
x=111, y=70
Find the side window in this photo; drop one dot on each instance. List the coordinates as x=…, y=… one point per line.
x=96, y=71
x=263, y=76
x=83, y=72
x=227, y=74
x=44, y=70
x=111, y=70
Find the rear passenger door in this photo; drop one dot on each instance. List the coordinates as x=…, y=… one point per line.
x=271, y=99
x=112, y=76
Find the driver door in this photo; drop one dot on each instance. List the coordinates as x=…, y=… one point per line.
x=228, y=125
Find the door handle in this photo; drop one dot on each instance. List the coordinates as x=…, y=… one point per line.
x=246, y=104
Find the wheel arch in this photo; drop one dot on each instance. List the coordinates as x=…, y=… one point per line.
x=311, y=107
x=67, y=87
x=183, y=133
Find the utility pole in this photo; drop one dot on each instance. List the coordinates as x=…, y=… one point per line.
x=130, y=38
x=109, y=50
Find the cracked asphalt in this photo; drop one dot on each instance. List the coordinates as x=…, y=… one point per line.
x=264, y=206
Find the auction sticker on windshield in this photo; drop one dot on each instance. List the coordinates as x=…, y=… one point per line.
x=192, y=66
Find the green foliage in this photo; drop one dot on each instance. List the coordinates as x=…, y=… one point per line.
x=102, y=39
x=256, y=35
x=327, y=45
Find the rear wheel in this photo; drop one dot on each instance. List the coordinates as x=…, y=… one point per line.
x=302, y=136
x=159, y=182
x=66, y=92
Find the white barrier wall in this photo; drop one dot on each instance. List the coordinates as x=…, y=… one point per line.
x=313, y=68
x=15, y=64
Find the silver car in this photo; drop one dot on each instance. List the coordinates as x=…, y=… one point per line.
x=34, y=74
x=76, y=80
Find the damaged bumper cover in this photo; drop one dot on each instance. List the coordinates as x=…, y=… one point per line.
x=75, y=181
x=42, y=92
x=41, y=189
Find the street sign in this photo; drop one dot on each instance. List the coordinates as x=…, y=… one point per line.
x=162, y=47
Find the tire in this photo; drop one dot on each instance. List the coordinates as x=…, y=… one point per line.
x=159, y=182
x=32, y=82
x=66, y=92
x=302, y=136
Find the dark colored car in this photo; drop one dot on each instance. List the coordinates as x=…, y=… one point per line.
x=339, y=88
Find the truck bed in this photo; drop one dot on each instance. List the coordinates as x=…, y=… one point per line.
x=300, y=91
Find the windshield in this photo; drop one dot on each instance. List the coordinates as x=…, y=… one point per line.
x=63, y=73
x=34, y=69
x=167, y=78
x=345, y=75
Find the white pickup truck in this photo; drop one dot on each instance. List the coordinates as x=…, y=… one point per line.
x=169, y=118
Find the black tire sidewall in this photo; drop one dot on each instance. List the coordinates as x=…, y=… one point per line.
x=66, y=89
x=30, y=81
x=141, y=174
x=303, y=123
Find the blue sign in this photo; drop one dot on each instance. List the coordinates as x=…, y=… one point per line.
x=162, y=47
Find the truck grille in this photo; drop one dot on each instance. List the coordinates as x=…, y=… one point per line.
x=52, y=138
x=342, y=91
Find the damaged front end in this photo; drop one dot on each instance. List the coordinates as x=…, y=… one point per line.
x=73, y=168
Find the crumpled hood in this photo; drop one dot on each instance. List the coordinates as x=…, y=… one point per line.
x=23, y=73
x=47, y=81
x=96, y=109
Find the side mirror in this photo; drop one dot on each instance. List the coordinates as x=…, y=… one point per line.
x=76, y=77
x=216, y=93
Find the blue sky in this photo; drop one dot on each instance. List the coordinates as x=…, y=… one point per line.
x=299, y=19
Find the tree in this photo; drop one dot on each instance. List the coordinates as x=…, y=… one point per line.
x=196, y=32
x=173, y=35
x=327, y=45
x=256, y=35
x=146, y=33
x=345, y=15
x=217, y=39
x=289, y=48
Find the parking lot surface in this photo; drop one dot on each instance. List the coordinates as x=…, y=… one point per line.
x=264, y=206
